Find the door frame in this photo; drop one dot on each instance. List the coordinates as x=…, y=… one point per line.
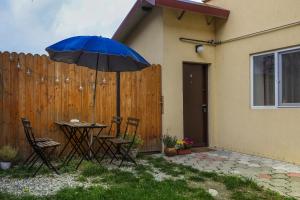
x=207, y=88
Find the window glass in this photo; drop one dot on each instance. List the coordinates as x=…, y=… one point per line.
x=290, y=77
x=263, y=80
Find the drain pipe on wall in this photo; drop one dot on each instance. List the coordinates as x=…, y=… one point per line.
x=216, y=42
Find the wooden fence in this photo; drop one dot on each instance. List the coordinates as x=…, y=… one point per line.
x=47, y=91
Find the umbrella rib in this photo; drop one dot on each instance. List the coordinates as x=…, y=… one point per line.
x=81, y=52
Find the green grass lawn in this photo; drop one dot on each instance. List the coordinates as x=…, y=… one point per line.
x=179, y=182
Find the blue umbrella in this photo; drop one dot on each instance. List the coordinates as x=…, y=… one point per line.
x=99, y=53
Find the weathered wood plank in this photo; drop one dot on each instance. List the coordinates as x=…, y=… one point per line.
x=22, y=102
x=43, y=96
x=2, y=134
x=51, y=97
x=6, y=99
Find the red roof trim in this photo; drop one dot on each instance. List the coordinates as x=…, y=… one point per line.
x=176, y=4
x=195, y=7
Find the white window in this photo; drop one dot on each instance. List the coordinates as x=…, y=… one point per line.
x=276, y=79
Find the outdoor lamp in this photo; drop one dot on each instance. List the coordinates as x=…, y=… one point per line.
x=199, y=48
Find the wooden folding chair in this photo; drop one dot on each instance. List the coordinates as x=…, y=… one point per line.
x=122, y=146
x=101, y=139
x=40, y=148
x=32, y=156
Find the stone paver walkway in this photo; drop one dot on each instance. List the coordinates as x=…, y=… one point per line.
x=276, y=175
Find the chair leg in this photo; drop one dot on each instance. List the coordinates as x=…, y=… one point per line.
x=114, y=153
x=106, y=151
x=45, y=160
x=64, y=148
x=101, y=145
x=49, y=162
x=28, y=159
x=110, y=153
x=38, y=169
x=126, y=155
x=34, y=160
x=70, y=157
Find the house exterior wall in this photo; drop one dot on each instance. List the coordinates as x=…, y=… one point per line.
x=192, y=25
x=147, y=37
x=157, y=39
x=233, y=124
x=273, y=133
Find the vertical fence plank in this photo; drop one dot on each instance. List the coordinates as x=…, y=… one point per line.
x=58, y=99
x=1, y=98
x=22, y=102
x=50, y=97
x=14, y=90
x=43, y=96
x=66, y=84
x=84, y=93
x=34, y=77
x=6, y=99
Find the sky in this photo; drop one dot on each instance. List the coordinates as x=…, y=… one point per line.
x=30, y=26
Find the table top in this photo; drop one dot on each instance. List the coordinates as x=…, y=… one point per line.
x=80, y=124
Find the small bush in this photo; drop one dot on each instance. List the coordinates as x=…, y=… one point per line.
x=8, y=154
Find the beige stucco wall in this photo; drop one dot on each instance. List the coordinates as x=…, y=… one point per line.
x=147, y=37
x=191, y=25
x=157, y=39
x=273, y=133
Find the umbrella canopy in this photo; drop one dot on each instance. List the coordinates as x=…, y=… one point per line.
x=101, y=54
x=98, y=53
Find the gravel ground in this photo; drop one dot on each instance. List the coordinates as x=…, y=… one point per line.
x=40, y=185
x=44, y=185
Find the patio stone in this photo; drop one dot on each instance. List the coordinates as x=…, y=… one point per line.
x=264, y=176
x=279, y=176
x=294, y=175
x=276, y=175
x=279, y=182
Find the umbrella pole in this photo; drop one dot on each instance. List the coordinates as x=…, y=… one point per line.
x=95, y=90
x=118, y=101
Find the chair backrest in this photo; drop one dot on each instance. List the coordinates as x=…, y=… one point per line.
x=115, y=121
x=132, y=125
x=28, y=131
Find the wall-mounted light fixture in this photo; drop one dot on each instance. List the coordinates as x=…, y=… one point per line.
x=199, y=48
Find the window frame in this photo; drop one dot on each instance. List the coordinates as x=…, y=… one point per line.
x=278, y=77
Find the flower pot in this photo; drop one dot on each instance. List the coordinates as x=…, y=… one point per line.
x=184, y=151
x=170, y=151
x=5, y=165
x=133, y=153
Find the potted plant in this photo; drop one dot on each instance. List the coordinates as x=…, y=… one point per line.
x=7, y=156
x=137, y=143
x=184, y=146
x=169, y=145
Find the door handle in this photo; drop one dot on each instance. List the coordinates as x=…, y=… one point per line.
x=204, y=108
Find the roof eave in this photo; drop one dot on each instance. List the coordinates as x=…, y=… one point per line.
x=202, y=8
x=142, y=7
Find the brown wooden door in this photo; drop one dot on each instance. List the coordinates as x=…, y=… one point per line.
x=195, y=103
